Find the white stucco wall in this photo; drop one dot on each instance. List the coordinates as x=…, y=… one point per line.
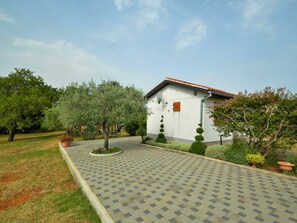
x=180, y=125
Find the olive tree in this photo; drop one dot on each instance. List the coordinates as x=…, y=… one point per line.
x=114, y=104
x=106, y=104
x=267, y=119
x=75, y=105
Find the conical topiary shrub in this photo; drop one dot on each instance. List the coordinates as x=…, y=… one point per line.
x=199, y=146
x=161, y=137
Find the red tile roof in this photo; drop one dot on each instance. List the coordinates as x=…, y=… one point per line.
x=199, y=86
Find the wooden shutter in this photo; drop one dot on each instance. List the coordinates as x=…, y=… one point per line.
x=176, y=106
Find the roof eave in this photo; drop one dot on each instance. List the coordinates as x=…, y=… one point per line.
x=166, y=82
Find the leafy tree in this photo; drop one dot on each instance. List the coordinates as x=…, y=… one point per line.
x=75, y=105
x=106, y=104
x=23, y=98
x=114, y=104
x=267, y=120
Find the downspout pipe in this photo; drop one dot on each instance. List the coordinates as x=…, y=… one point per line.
x=201, y=105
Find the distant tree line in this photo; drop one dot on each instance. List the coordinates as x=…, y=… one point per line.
x=27, y=102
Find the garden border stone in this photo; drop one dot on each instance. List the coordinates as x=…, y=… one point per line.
x=92, y=197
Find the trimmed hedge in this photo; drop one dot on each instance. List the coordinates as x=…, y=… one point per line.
x=217, y=151
x=170, y=145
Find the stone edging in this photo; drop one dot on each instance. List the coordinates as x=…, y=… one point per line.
x=104, y=155
x=93, y=199
x=225, y=162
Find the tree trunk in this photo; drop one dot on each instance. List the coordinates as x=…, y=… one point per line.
x=105, y=135
x=11, y=134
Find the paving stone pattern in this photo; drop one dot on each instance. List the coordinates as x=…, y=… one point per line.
x=145, y=184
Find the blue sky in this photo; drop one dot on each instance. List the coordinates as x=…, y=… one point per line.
x=231, y=45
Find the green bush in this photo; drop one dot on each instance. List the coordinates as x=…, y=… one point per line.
x=161, y=140
x=131, y=127
x=271, y=160
x=238, y=143
x=255, y=159
x=199, y=130
x=216, y=152
x=199, y=138
x=141, y=131
x=147, y=138
x=161, y=137
x=237, y=156
x=198, y=148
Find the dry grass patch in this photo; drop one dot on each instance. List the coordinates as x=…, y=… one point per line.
x=36, y=185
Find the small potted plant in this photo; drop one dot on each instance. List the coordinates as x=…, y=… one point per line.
x=255, y=159
x=66, y=140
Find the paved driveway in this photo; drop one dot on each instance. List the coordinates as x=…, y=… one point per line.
x=145, y=184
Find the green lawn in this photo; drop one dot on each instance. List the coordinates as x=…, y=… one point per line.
x=35, y=183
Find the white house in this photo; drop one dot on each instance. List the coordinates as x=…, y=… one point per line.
x=184, y=105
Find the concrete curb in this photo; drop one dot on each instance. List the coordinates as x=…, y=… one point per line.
x=225, y=162
x=93, y=199
x=105, y=155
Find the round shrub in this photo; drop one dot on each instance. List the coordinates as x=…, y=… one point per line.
x=199, y=130
x=198, y=148
x=255, y=159
x=161, y=135
x=199, y=138
x=216, y=152
x=161, y=140
x=162, y=126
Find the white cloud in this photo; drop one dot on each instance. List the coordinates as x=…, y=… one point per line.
x=122, y=4
x=256, y=15
x=190, y=33
x=147, y=12
x=5, y=18
x=60, y=62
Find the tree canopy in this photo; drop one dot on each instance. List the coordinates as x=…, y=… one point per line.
x=267, y=119
x=106, y=104
x=23, y=98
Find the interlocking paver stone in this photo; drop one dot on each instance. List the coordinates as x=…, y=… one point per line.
x=145, y=184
